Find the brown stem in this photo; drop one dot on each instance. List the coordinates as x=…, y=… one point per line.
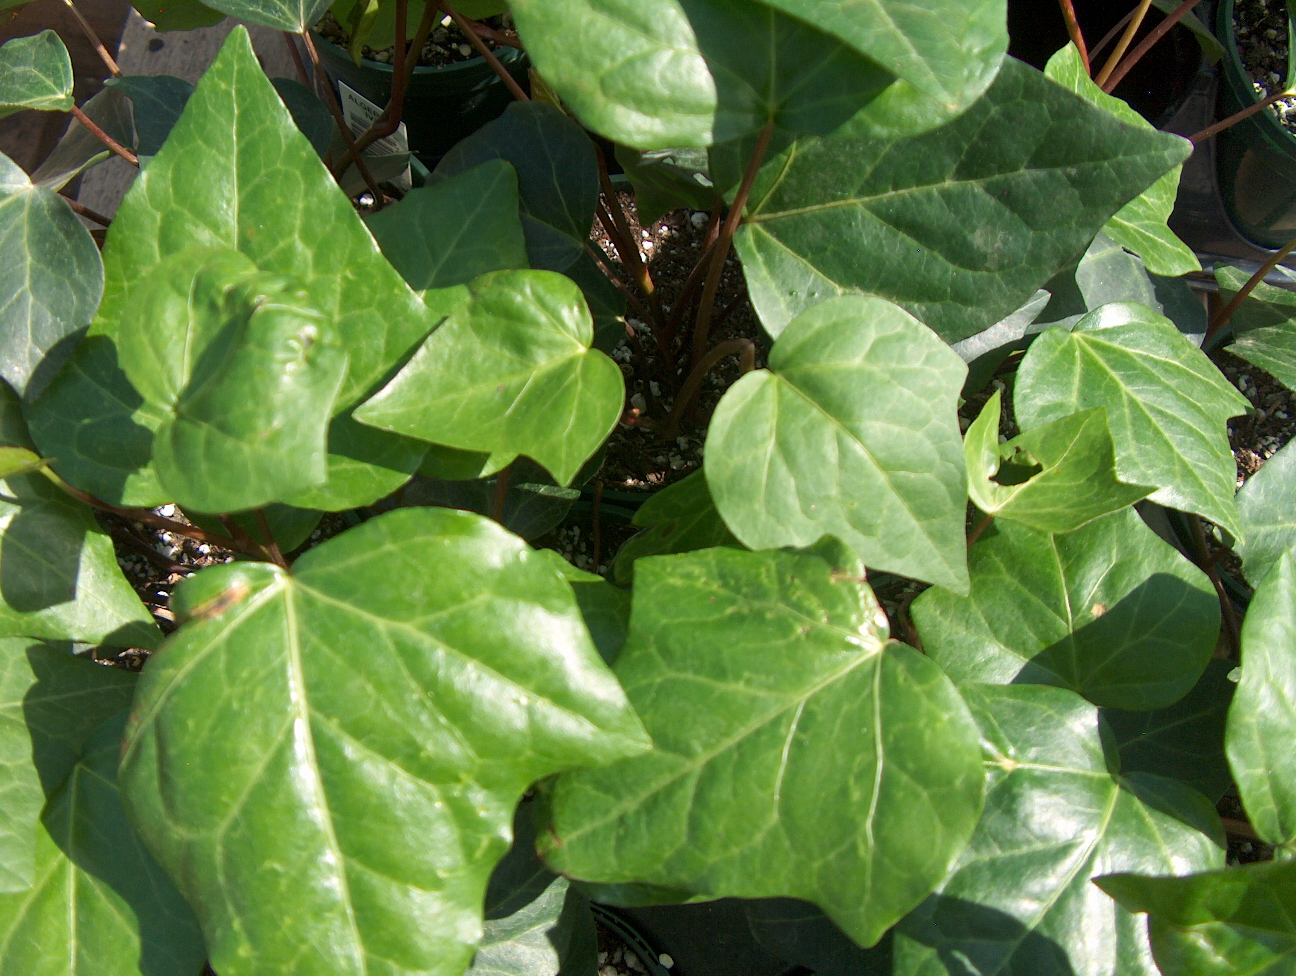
x=1149, y=42
x=491, y=34
x=745, y=348
x=1237, y=117
x=1226, y=313
x=1073, y=28
x=149, y=518
x=620, y=285
x=243, y=537
x=127, y=537
x=501, y=493
x=331, y=100
x=98, y=45
x=86, y=212
x=1207, y=565
x=1240, y=828
x=390, y=119
x=596, y=545
x=1111, y=34
x=702, y=328
x=466, y=26
x=626, y=244
x=271, y=546
x=297, y=61
x=1123, y=44
x=685, y=300
x=104, y=137
x=978, y=529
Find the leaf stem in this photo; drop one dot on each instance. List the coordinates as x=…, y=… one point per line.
x=104, y=137
x=685, y=299
x=596, y=527
x=627, y=246
x=1207, y=565
x=1111, y=34
x=271, y=545
x=402, y=74
x=1077, y=36
x=1237, y=117
x=620, y=285
x=84, y=211
x=978, y=529
x=1226, y=313
x=1149, y=42
x=331, y=100
x=702, y=328
x=1123, y=44
x=297, y=61
x=746, y=350
x=501, y=493
x=466, y=26
x=98, y=45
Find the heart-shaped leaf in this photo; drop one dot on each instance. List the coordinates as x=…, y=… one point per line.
x=36, y=73
x=1262, y=718
x=959, y=225
x=49, y=702
x=367, y=800
x=1267, y=513
x=1020, y=900
x=100, y=903
x=1053, y=478
x=157, y=101
x=510, y=371
x=851, y=432
x=779, y=715
x=681, y=518
x=51, y=278
x=1167, y=404
x=1109, y=611
x=450, y=232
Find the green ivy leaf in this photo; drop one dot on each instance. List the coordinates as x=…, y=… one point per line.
x=450, y=232
x=79, y=148
x=510, y=371
x=171, y=15
x=367, y=805
x=959, y=225
x=156, y=102
x=1262, y=718
x=1267, y=306
x=18, y=460
x=1167, y=404
x=308, y=112
x=51, y=277
x=285, y=15
x=667, y=179
x=1217, y=923
x=1184, y=741
x=289, y=526
x=851, y=432
x=1267, y=514
x=1020, y=900
x=553, y=935
x=779, y=715
x=49, y=702
x=36, y=73
x=533, y=505
x=1140, y=225
x=1272, y=349
x=1108, y=611
x=1074, y=465
x=557, y=177
x=680, y=518
x=100, y=903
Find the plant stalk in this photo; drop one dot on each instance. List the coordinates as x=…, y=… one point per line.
x=746, y=351
x=685, y=299
x=104, y=137
x=1226, y=313
x=402, y=74
x=978, y=529
x=491, y=34
x=1123, y=44
x=84, y=211
x=620, y=285
x=1073, y=28
x=627, y=245
x=466, y=26
x=1148, y=43
x=702, y=328
x=271, y=546
x=1207, y=565
x=297, y=61
x=331, y=100
x=93, y=38
x=1237, y=117
x=1111, y=34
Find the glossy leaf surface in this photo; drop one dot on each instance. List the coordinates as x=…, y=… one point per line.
x=510, y=371
x=680, y=518
x=851, y=432
x=450, y=232
x=1167, y=404
x=779, y=715
x=51, y=278
x=36, y=73
x=1267, y=514
x=156, y=101
x=1074, y=465
x=49, y=702
x=1140, y=225
x=1262, y=718
x=284, y=15
x=959, y=225
x=1109, y=611
x=332, y=817
x=100, y=902
x=1020, y=899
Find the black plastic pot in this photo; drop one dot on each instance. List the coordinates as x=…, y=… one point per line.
x=1255, y=159
x=444, y=103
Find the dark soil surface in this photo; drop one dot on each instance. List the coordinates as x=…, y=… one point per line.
x=1261, y=27
x=447, y=44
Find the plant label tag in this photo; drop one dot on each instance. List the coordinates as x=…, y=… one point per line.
x=359, y=113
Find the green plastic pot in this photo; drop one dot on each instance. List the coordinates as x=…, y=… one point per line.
x=444, y=103
x=1255, y=159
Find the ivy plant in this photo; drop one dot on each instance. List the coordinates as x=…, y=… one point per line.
x=940, y=661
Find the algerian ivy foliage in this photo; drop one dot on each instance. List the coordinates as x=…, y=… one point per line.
x=422, y=745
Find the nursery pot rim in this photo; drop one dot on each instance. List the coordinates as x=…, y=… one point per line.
x=507, y=55
x=1238, y=80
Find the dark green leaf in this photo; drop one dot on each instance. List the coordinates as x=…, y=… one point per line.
x=604, y=607
x=450, y=232
x=520, y=876
x=779, y=714
x=667, y=179
x=680, y=518
x=959, y=225
x=606, y=303
x=851, y=432
x=100, y=903
x=1267, y=513
x=1109, y=611
x=311, y=115
x=36, y=73
x=557, y=176
x=448, y=464
x=551, y=935
x=1262, y=718
x=1186, y=740
x=1267, y=306
x=51, y=278
x=157, y=101
x=510, y=371
x=169, y=15
x=1020, y=899
x=531, y=508
x=365, y=744
x=1074, y=465
x=1167, y=404
x=284, y=15
x=49, y=702
x=79, y=149
x=1211, y=48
